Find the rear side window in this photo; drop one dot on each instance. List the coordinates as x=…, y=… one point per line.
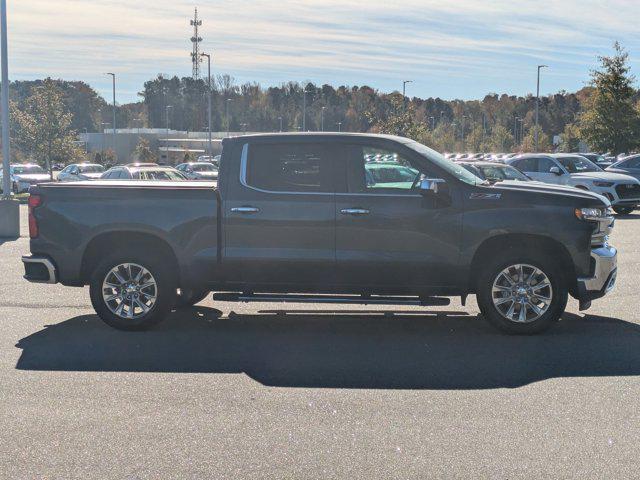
x=290, y=167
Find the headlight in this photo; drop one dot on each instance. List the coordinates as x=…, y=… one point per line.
x=593, y=213
x=603, y=184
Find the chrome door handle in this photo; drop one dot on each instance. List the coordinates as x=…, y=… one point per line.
x=354, y=211
x=245, y=209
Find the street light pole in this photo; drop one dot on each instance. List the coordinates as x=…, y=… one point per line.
x=6, y=180
x=280, y=118
x=404, y=87
x=166, y=140
x=209, y=98
x=322, y=119
x=537, y=106
x=339, y=126
x=433, y=123
x=227, y=115
x=463, y=145
x=113, y=76
x=304, y=109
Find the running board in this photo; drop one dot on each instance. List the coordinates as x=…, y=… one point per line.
x=345, y=299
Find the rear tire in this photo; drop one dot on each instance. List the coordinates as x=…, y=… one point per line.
x=623, y=210
x=114, y=294
x=504, y=290
x=188, y=298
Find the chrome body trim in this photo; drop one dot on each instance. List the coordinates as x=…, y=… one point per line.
x=48, y=265
x=606, y=263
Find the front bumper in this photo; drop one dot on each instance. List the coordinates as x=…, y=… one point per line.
x=604, y=270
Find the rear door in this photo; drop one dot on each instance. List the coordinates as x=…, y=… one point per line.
x=280, y=215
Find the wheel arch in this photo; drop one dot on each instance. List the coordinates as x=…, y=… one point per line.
x=513, y=241
x=114, y=240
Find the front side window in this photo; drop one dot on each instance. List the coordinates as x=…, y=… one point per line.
x=373, y=169
x=290, y=167
x=91, y=169
x=545, y=165
x=28, y=169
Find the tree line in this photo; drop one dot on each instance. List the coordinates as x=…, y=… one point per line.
x=47, y=114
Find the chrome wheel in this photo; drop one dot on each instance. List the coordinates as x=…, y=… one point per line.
x=129, y=291
x=522, y=293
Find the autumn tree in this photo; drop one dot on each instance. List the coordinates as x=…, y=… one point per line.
x=610, y=121
x=143, y=152
x=42, y=129
x=570, y=139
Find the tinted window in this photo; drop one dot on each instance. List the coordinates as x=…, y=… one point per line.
x=91, y=168
x=545, y=165
x=631, y=163
x=526, y=164
x=204, y=167
x=290, y=167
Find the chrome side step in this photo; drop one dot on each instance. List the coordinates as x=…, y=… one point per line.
x=345, y=299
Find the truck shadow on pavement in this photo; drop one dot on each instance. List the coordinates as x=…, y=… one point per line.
x=406, y=350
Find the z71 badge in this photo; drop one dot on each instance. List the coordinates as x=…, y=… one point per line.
x=485, y=196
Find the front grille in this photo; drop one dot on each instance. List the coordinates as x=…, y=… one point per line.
x=628, y=191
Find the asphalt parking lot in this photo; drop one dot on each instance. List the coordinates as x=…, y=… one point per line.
x=316, y=392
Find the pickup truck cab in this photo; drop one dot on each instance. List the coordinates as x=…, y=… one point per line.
x=623, y=191
x=344, y=218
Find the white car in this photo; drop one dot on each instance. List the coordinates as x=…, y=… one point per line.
x=623, y=191
x=80, y=171
x=24, y=175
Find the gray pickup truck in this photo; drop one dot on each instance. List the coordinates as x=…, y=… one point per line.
x=343, y=218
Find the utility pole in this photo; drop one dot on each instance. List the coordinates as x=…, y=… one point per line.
x=464, y=147
x=322, y=119
x=433, y=123
x=113, y=75
x=537, y=107
x=404, y=92
x=280, y=118
x=209, y=98
x=339, y=126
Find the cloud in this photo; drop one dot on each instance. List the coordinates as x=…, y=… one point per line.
x=452, y=49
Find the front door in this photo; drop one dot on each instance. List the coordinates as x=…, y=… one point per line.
x=280, y=216
x=390, y=237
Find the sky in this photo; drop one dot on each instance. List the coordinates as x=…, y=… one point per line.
x=448, y=48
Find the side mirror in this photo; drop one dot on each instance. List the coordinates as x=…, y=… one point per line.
x=431, y=185
x=555, y=170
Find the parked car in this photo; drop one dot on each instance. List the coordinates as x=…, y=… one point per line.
x=142, y=171
x=494, y=172
x=295, y=219
x=24, y=175
x=628, y=166
x=81, y=171
x=199, y=170
x=621, y=190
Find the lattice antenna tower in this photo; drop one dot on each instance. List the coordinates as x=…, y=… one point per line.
x=195, y=40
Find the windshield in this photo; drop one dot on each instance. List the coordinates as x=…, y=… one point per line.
x=498, y=173
x=159, y=175
x=28, y=169
x=91, y=168
x=578, y=165
x=450, y=167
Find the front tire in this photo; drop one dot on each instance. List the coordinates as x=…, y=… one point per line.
x=623, y=210
x=132, y=291
x=521, y=293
